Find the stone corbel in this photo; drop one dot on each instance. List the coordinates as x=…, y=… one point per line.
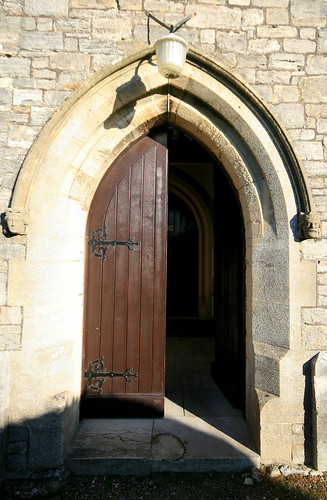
x=16, y=220
x=309, y=226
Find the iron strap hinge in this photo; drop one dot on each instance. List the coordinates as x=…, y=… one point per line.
x=96, y=377
x=100, y=242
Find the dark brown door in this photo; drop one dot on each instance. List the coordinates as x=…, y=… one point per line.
x=125, y=303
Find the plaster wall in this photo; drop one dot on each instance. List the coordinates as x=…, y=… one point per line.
x=49, y=50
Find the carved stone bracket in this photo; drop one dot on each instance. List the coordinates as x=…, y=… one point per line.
x=309, y=226
x=17, y=220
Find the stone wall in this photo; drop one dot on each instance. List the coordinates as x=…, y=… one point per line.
x=50, y=47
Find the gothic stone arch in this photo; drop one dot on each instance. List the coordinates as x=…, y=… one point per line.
x=55, y=188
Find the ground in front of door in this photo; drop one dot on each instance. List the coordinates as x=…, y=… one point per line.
x=200, y=431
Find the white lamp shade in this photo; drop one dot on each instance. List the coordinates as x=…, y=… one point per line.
x=171, y=53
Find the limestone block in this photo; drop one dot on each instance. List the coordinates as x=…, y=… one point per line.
x=316, y=65
x=34, y=40
x=94, y=4
x=231, y=42
x=277, y=16
x=47, y=7
x=319, y=381
x=265, y=91
x=27, y=97
x=252, y=17
x=314, y=337
x=264, y=46
x=14, y=67
x=314, y=249
x=130, y=4
x=97, y=46
x=70, y=44
x=322, y=41
x=10, y=315
x=56, y=97
x=270, y=3
x=69, y=25
x=281, y=77
x=44, y=73
x=286, y=93
x=72, y=62
x=44, y=24
x=314, y=316
x=310, y=13
x=5, y=98
x=10, y=338
x=310, y=150
x=314, y=89
x=282, y=61
x=252, y=61
x=39, y=116
x=276, y=32
x=214, y=17
x=43, y=84
x=292, y=114
x=11, y=250
x=299, y=47
x=4, y=387
x=22, y=136
x=276, y=443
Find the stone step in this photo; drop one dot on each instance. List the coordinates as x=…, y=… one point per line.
x=171, y=444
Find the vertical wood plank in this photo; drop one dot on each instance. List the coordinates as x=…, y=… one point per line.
x=125, y=294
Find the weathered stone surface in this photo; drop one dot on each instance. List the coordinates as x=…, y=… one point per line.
x=264, y=46
x=314, y=337
x=308, y=13
x=317, y=65
x=299, y=46
x=276, y=32
x=46, y=7
x=10, y=315
x=231, y=42
x=277, y=16
x=252, y=17
x=51, y=47
x=27, y=97
x=94, y=4
x=292, y=62
x=71, y=62
x=292, y=113
x=14, y=67
x=215, y=17
x=10, y=337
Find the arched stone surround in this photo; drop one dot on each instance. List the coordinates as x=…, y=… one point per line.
x=56, y=186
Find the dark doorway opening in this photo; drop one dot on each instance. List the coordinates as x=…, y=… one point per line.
x=218, y=329
x=182, y=260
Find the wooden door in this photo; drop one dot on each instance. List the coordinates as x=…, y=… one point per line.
x=125, y=302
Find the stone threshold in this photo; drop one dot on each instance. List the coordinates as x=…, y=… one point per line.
x=170, y=444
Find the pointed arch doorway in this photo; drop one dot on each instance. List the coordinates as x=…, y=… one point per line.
x=124, y=341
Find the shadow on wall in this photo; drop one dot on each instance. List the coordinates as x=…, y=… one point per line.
x=308, y=413
x=40, y=442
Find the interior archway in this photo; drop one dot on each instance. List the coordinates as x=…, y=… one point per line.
x=79, y=144
x=205, y=296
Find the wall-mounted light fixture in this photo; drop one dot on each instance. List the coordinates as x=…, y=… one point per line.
x=171, y=49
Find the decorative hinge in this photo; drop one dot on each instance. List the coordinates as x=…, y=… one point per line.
x=100, y=242
x=96, y=377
